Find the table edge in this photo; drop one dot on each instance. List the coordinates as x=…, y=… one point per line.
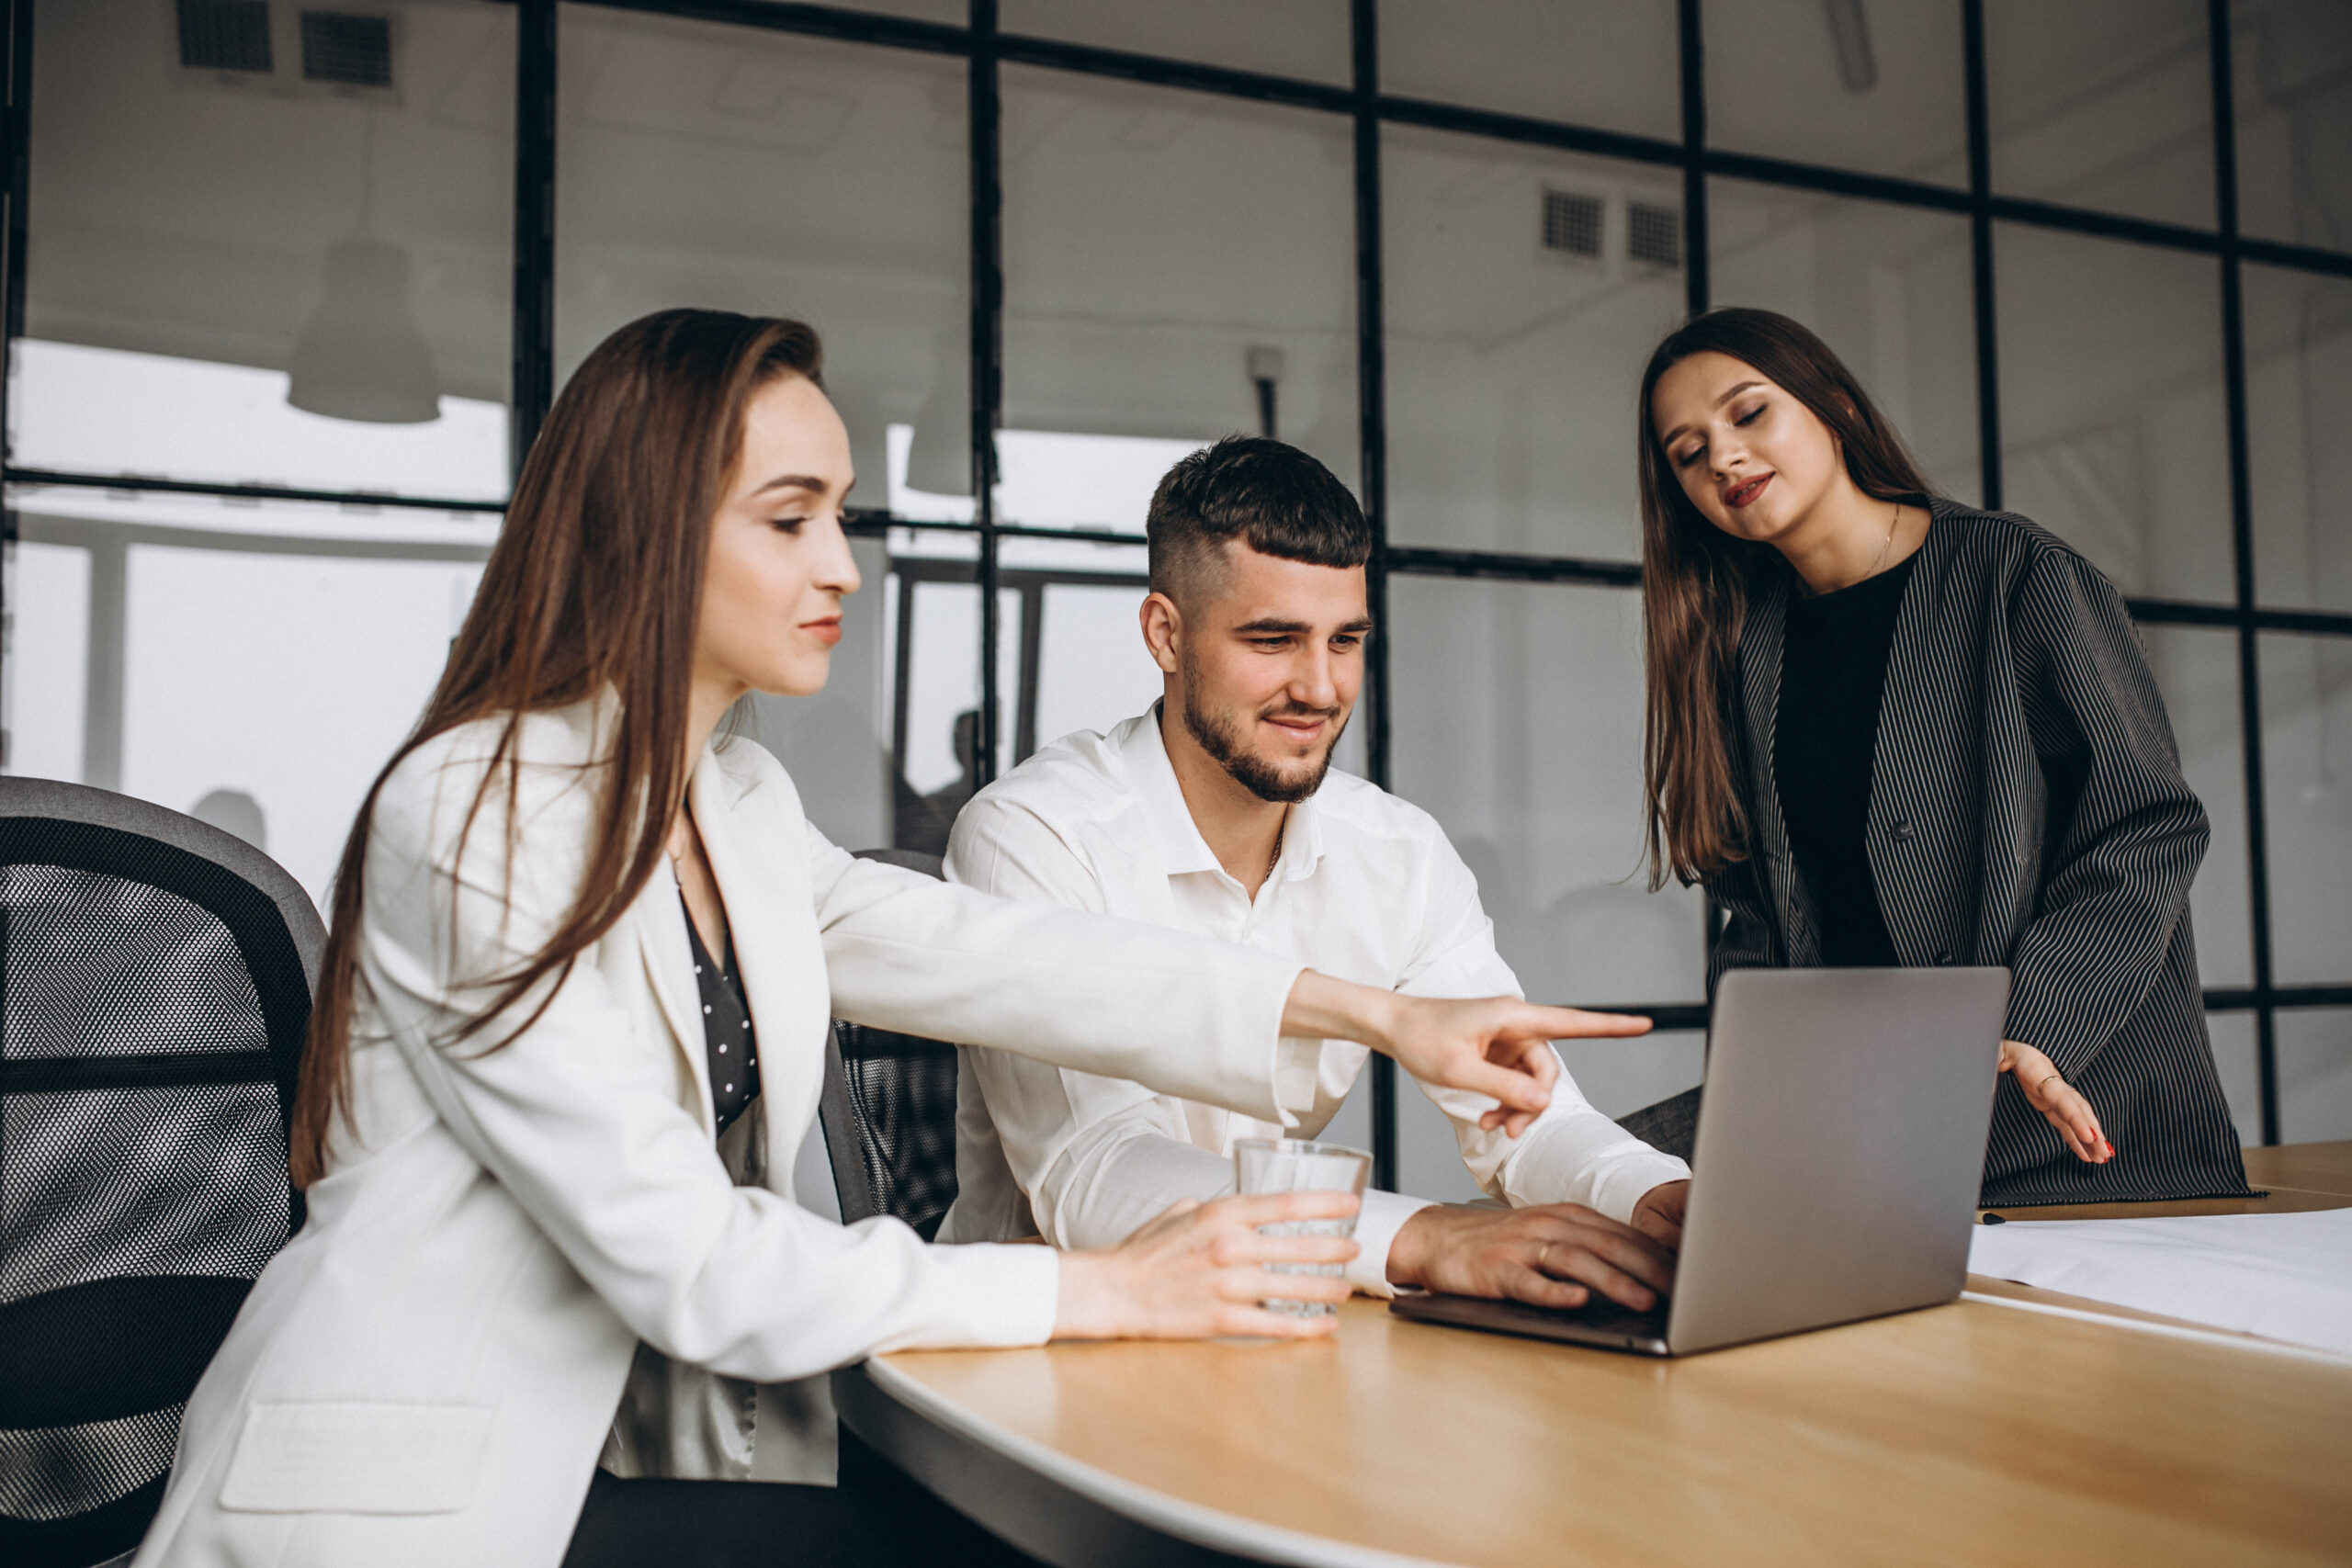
x=1195, y=1522
x=2226, y=1339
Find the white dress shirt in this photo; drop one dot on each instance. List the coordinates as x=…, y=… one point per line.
x=1366, y=888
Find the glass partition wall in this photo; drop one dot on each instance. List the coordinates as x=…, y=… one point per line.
x=290, y=285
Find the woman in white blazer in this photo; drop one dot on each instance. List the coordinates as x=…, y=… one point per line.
x=507, y=1121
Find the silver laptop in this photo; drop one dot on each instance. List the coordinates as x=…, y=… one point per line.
x=1840, y=1150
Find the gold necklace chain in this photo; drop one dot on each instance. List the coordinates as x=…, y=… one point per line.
x=1892, y=523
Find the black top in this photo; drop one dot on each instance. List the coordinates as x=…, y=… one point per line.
x=726, y=1030
x=1824, y=735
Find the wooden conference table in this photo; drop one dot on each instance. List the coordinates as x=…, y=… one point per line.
x=2031, y=1429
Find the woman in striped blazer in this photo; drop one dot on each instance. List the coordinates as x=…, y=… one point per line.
x=1885, y=728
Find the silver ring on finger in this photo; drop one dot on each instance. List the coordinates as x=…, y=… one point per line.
x=1541, y=1254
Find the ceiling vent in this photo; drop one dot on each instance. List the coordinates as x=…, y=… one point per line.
x=1654, y=233
x=346, y=51
x=225, y=35
x=1572, y=223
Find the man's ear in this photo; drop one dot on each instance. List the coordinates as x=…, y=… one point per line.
x=1163, y=630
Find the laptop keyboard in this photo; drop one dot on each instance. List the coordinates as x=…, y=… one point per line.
x=1599, y=1314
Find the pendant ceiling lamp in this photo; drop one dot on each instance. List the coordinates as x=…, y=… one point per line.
x=362, y=355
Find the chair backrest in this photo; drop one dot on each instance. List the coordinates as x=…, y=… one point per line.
x=155, y=977
x=889, y=1112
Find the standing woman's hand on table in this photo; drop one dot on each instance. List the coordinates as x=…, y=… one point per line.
x=1199, y=1271
x=1497, y=1047
x=2060, y=1102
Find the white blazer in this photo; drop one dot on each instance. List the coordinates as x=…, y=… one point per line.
x=426, y=1373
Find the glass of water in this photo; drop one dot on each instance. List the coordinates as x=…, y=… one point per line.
x=1290, y=1165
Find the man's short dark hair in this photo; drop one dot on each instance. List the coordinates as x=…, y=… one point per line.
x=1273, y=497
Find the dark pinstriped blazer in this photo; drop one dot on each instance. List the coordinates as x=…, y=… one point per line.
x=2028, y=809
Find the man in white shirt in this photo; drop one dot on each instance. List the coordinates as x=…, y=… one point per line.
x=1215, y=812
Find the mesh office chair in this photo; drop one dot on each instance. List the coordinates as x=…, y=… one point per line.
x=889, y=1112
x=155, y=978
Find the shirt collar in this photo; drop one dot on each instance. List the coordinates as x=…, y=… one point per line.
x=1162, y=799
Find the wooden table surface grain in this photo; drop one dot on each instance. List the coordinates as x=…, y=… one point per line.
x=1976, y=1432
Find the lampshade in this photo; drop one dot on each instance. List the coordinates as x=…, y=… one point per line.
x=362, y=357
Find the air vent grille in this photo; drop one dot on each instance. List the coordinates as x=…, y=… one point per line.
x=1653, y=233
x=349, y=50
x=1572, y=223
x=225, y=35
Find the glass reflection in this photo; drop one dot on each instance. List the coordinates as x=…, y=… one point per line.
x=2292, y=92
x=2314, y=1074
x=216, y=212
x=2196, y=669
x=1519, y=310
x=1167, y=257
x=2299, y=401
x=2105, y=104
x=762, y=171
x=1876, y=86
x=2307, y=778
x=2113, y=428
x=1611, y=64
x=1289, y=38
x=1517, y=724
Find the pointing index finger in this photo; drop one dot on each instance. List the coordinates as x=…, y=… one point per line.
x=1575, y=1023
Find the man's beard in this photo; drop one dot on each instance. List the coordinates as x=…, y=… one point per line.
x=1229, y=744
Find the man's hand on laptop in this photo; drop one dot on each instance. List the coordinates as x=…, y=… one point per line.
x=1553, y=1254
x=1659, y=1214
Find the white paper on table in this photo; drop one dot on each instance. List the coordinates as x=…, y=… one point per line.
x=2282, y=1276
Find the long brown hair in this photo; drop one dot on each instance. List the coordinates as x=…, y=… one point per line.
x=1695, y=580
x=594, y=585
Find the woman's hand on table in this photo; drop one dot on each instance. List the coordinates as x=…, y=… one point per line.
x=2060, y=1102
x=1497, y=1047
x=1199, y=1271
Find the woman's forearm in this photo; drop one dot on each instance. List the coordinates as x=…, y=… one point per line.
x=1321, y=1007
x=1497, y=1047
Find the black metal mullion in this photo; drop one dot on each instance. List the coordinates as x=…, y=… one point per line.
x=1158, y=71
x=15, y=127
x=815, y=21
x=1690, y=42
x=1691, y=32
x=2296, y=258
x=988, y=350
x=2247, y=998
x=1033, y=647
x=1495, y=125
x=901, y=683
x=1372, y=373
x=1423, y=561
x=150, y=484
x=1979, y=242
x=532, y=389
x=16, y=130
x=2225, y=190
